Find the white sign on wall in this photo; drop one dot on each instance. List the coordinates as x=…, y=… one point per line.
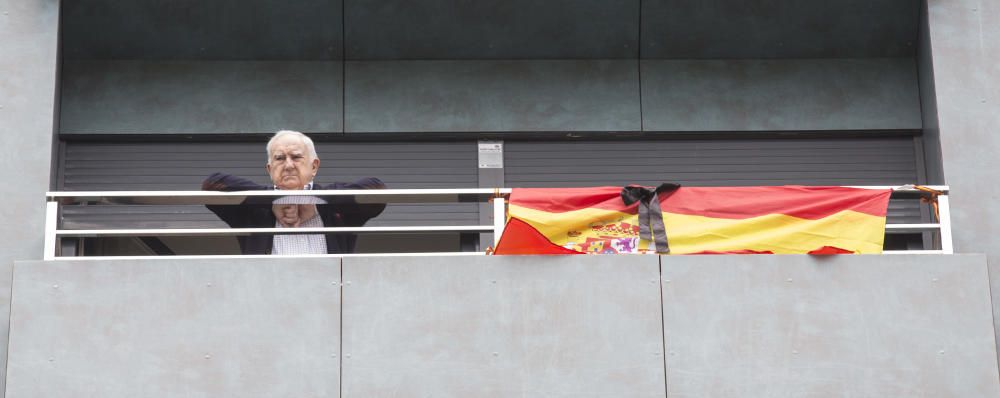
x=490, y=154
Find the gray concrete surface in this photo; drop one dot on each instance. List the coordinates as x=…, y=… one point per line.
x=154, y=97
x=965, y=48
x=485, y=96
x=584, y=326
x=722, y=326
x=6, y=280
x=777, y=95
x=848, y=326
x=965, y=61
x=28, y=65
x=169, y=328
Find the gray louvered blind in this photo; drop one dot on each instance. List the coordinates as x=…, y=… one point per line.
x=182, y=166
x=717, y=162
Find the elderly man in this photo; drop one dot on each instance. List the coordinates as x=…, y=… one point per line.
x=292, y=164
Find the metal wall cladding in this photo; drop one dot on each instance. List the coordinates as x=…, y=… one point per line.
x=490, y=66
x=774, y=95
x=722, y=29
x=200, y=97
x=492, y=96
x=490, y=29
x=307, y=30
x=488, y=96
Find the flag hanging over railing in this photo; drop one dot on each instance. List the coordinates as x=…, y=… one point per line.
x=697, y=220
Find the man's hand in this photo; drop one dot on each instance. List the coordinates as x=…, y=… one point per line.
x=291, y=216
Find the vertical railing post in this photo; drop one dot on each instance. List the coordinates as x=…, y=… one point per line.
x=51, y=223
x=944, y=219
x=499, y=218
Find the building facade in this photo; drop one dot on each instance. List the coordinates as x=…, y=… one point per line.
x=155, y=95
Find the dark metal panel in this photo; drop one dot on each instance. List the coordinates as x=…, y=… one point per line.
x=485, y=96
x=183, y=166
x=192, y=97
x=491, y=29
x=745, y=162
x=928, y=102
x=203, y=30
x=776, y=95
x=684, y=29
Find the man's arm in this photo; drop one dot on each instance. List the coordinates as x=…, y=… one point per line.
x=235, y=216
x=351, y=212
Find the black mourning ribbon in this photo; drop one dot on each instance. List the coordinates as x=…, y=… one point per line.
x=650, y=214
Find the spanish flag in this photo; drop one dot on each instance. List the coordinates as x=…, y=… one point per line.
x=699, y=220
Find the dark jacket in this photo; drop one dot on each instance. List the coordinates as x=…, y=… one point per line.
x=255, y=212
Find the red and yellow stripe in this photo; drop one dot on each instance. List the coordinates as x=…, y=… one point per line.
x=781, y=220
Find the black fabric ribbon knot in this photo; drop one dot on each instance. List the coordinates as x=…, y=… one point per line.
x=651, y=226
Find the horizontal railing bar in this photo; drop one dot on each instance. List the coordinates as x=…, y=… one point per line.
x=294, y=256
x=90, y=233
x=897, y=228
x=267, y=256
x=362, y=195
x=233, y=198
x=901, y=188
x=890, y=228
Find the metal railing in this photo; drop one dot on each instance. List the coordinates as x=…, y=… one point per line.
x=53, y=233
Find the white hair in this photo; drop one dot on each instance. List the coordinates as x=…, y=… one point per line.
x=308, y=142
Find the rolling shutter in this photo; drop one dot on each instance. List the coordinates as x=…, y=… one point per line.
x=718, y=162
x=161, y=166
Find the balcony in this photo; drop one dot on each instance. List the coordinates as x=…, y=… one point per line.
x=464, y=324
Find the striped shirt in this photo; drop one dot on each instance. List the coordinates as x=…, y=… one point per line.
x=300, y=243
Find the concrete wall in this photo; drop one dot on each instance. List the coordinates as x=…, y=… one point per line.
x=637, y=326
x=29, y=29
x=966, y=65
x=851, y=326
x=166, y=328
x=965, y=49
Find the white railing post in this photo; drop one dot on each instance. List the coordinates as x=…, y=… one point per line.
x=51, y=223
x=499, y=218
x=944, y=215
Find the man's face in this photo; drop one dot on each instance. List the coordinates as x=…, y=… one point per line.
x=290, y=165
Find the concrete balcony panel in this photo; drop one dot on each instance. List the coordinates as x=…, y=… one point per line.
x=531, y=326
x=176, y=328
x=801, y=326
x=554, y=326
